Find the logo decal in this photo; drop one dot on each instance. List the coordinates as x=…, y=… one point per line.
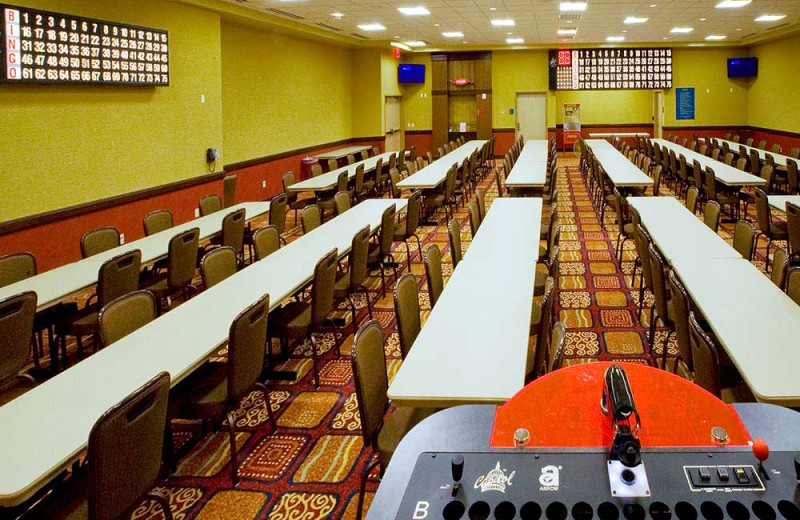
x=495, y=480
x=549, y=479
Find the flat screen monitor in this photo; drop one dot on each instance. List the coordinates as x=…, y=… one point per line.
x=742, y=67
x=410, y=73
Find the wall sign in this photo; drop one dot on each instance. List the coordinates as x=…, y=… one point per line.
x=684, y=103
x=610, y=69
x=45, y=47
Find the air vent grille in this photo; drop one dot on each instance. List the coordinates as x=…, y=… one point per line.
x=359, y=36
x=574, y=17
x=329, y=27
x=284, y=13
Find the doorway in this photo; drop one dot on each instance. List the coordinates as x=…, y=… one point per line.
x=392, y=118
x=532, y=115
x=658, y=113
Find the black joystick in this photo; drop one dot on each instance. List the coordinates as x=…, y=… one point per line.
x=457, y=469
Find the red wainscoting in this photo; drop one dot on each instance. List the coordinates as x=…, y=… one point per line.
x=787, y=140
x=58, y=243
x=422, y=139
x=718, y=132
x=504, y=139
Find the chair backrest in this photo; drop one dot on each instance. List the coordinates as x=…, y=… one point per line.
x=715, y=153
x=126, y=314
x=741, y=163
x=394, y=178
x=749, y=141
x=557, y=336
x=406, y=308
x=310, y=218
x=618, y=209
x=793, y=225
x=433, y=273
x=341, y=202
x=209, y=204
x=711, y=183
x=658, y=269
x=643, y=242
x=370, y=378
x=364, y=155
x=762, y=144
x=323, y=288
x=744, y=239
x=119, y=276
x=480, y=197
x=793, y=284
x=680, y=317
x=288, y=179
x=420, y=162
x=278, y=208
x=474, y=217
x=266, y=241
x=657, y=174
x=763, y=216
x=359, y=179
x=697, y=172
x=755, y=161
x=246, y=340
x=126, y=449
x=413, y=211
x=233, y=230
x=498, y=181
x=711, y=215
x=16, y=267
x=729, y=158
x=379, y=175
x=217, y=265
x=316, y=170
x=454, y=232
x=541, y=355
x=157, y=221
x=791, y=173
x=794, y=153
x=182, y=258
x=351, y=159
x=704, y=358
x=387, y=231
x=358, y=257
x=341, y=181
x=99, y=241
x=16, y=329
x=392, y=161
x=780, y=263
x=333, y=164
x=229, y=191
x=429, y=155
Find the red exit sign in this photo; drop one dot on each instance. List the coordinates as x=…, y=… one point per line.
x=564, y=58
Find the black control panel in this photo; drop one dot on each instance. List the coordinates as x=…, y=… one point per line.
x=721, y=484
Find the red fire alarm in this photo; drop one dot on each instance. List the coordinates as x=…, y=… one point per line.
x=396, y=53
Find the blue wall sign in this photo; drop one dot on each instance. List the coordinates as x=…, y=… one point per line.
x=684, y=103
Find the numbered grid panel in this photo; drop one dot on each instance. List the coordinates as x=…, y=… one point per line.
x=609, y=69
x=44, y=47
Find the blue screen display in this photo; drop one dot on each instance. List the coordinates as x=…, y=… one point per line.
x=742, y=67
x=410, y=73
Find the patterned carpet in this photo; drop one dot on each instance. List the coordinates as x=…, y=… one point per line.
x=310, y=468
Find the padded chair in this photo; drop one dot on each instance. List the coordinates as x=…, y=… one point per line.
x=711, y=215
x=541, y=318
x=364, y=155
x=767, y=228
x=557, y=336
x=300, y=319
x=446, y=199
x=157, y=221
x=406, y=310
x=233, y=232
x=327, y=202
x=381, y=435
x=266, y=241
x=498, y=181
x=181, y=265
x=692, y=196
x=351, y=160
x=780, y=261
x=713, y=371
x=16, y=267
x=278, y=207
x=316, y=170
x=474, y=217
x=394, y=178
x=333, y=164
x=792, y=176
x=292, y=201
x=626, y=229
x=794, y=153
x=762, y=144
x=548, y=268
x=643, y=242
x=311, y=218
x=744, y=237
x=126, y=314
x=793, y=284
x=352, y=281
x=680, y=308
x=663, y=306
x=99, y=241
x=405, y=230
x=749, y=141
x=380, y=252
x=209, y=204
x=221, y=393
x=793, y=229
x=229, y=191
x=342, y=202
x=480, y=198
x=117, y=277
x=361, y=189
x=17, y=314
x=217, y=265
x=454, y=232
x=433, y=273
x=721, y=197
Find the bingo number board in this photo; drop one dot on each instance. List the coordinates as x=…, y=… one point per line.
x=609, y=69
x=44, y=47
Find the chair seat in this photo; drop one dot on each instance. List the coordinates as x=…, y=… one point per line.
x=536, y=315
x=395, y=428
x=369, y=185
x=292, y=320
x=301, y=203
x=628, y=229
x=542, y=252
x=435, y=200
x=400, y=232
x=81, y=324
x=341, y=288
x=374, y=254
x=210, y=399
x=778, y=229
x=541, y=278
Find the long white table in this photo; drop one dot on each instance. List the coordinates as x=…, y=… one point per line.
x=342, y=152
x=618, y=134
x=780, y=160
x=474, y=345
x=44, y=430
x=678, y=233
x=327, y=181
x=619, y=169
x=725, y=174
x=530, y=170
x=779, y=201
x=534, y=150
x=60, y=283
x=434, y=174
x=756, y=323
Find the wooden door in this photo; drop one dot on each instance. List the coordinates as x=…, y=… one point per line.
x=393, y=128
x=532, y=115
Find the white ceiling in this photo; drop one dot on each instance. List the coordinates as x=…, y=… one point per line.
x=536, y=20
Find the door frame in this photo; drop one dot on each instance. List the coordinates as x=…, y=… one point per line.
x=658, y=113
x=386, y=131
x=516, y=110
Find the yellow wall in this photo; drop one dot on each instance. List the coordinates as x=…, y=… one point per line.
x=367, y=93
x=772, y=101
x=719, y=101
x=281, y=93
x=65, y=145
x=417, y=108
x=608, y=106
x=518, y=71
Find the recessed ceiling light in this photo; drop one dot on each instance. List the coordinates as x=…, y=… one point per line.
x=338, y=16
x=508, y=33
x=665, y=38
x=515, y=40
x=567, y=32
x=681, y=30
x=624, y=31
x=572, y=6
x=416, y=43
x=732, y=4
x=615, y=39
x=715, y=37
x=396, y=37
x=770, y=17
x=652, y=5
x=493, y=9
x=738, y=29
x=437, y=25
x=400, y=46
x=503, y=22
x=465, y=41
x=635, y=19
x=371, y=27
x=702, y=19
x=453, y=34
x=414, y=11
